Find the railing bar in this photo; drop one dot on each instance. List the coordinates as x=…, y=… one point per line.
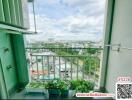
x=30, y=50
x=100, y=48
x=77, y=67
x=71, y=68
x=83, y=69
x=64, y=55
x=65, y=69
x=43, y=68
x=94, y=72
x=31, y=67
x=54, y=65
x=59, y=68
x=98, y=73
x=37, y=67
x=48, y=66
x=90, y=68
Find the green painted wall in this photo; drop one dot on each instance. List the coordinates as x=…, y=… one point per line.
x=20, y=57
x=3, y=91
x=13, y=62
x=7, y=60
x=12, y=51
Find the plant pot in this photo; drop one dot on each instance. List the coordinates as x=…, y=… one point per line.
x=64, y=93
x=35, y=90
x=54, y=91
x=72, y=93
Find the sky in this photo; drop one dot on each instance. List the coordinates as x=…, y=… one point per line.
x=67, y=20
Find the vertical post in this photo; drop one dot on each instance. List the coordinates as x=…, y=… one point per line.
x=59, y=68
x=30, y=50
x=89, y=68
x=37, y=67
x=48, y=66
x=54, y=65
x=65, y=68
x=43, y=68
x=94, y=71
x=30, y=65
x=71, y=67
x=77, y=67
x=83, y=68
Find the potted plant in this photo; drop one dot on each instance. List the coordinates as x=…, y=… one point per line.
x=73, y=85
x=35, y=87
x=53, y=87
x=64, y=87
x=84, y=86
x=80, y=86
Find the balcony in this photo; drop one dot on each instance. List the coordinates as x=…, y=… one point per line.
x=67, y=64
x=63, y=63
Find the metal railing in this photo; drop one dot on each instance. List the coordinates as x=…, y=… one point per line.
x=63, y=63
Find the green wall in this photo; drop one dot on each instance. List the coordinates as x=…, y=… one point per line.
x=13, y=62
x=20, y=57
x=3, y=90
x=13, y=65
x=7, y=60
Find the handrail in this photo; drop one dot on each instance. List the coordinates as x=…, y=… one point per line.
x=63, y=48
x=65, y=55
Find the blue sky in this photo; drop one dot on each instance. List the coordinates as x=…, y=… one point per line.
x=68, y=19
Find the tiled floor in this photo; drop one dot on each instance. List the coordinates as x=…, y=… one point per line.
x=36, y=96
x=24, y=95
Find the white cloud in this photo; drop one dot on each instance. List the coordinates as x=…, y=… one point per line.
x=85, y=24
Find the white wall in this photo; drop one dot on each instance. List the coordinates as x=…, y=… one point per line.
x=120, y=63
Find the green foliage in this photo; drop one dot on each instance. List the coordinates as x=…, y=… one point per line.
x=81, y=85
x=85, y=86
x=35, y=85
x=91, y=64
x=73, y=84
x=64, y=85
x=78, y=85
x=57, y=84
x=92, y=50
x=53, y=84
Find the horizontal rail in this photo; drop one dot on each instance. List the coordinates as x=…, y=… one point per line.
x=65, y=55
x=64, y=48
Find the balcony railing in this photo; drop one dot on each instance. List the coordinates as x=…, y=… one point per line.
x=64, y=63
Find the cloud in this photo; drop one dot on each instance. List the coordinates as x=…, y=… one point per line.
x=87, y=7
x=85, y=24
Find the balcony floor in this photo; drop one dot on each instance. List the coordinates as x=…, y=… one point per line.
x=23, y=95
x=36, y=96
